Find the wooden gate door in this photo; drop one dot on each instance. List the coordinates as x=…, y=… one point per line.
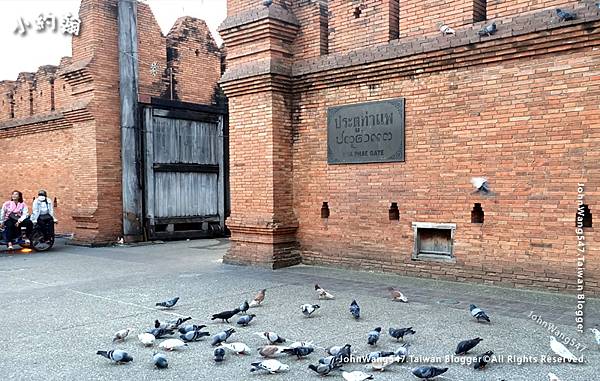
x=184, y=173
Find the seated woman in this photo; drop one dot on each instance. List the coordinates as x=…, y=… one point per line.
x=43, y=214
x=14, y=214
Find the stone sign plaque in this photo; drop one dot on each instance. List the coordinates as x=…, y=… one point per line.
x=366, y=132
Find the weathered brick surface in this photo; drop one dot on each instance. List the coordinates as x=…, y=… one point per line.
x=421, y=17
x=520, y=108
x=82, y=167
x=503, y=8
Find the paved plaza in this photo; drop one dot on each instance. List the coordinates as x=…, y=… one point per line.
x=60, y=307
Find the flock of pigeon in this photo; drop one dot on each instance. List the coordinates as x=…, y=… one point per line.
x=492, y=28
x=275, y=345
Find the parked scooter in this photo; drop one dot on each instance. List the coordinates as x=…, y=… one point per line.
x=38, y=240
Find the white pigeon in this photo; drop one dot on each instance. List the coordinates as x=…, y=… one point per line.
x=381, y=363
x=297, y=344
x=397, y=295
x=552, y=377
x=239, y=348
x=596, y=335
x=323, y=294
x=271, y=366
x=333, y=350
x=478, y=182
x=445, y=29
x=356, y=376
x=147, y=339
x=561, y=350
x=172, y=344
x=253, y=303
x=122, y=334
x=308, y=309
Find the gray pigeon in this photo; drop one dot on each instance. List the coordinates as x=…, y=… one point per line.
x=322, y=369
x=193, y=336
x=116, y=355
x=488, y=30
x=399, y=333
x=375, y=355
x=355, y=309
x=483, y=360
x=169, y=303
x=299, y=351
x=374, y=336
x=565, y=16
x=219, y=354
x=190, y=327
x=428, y=372
x=244, y=307
x=267, y=3
x=160, y=361
x=465, y=346
x=478, y=313
x=221, y=337
x=159, y=332
x=402, y=352
x=246, y=319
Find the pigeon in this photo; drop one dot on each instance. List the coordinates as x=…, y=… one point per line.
x=356, y=376
x=271, y=350
x=271, y=337
x=258, y=299
x=299, y=351
x=375, y=355
x=488, y=30
x=561, y=350
x=245, y=320
x=169, y=326
x=333, y=350
x=381, y=363
x=193, y=336
x=225, y=315
x=178, y=322
x=552, y=377
x=169, y=303
x=374, y=336
x=190, y=327
x=308, y=309
x=267, y=3
x=322, y=369
x=323, y=294
x=221, y=336
x=596, y=335
x=343, y=355
x=481, y=185
x=122, y=334
x=271, y=366
x=445, y=29
x=244, y=306
x=147, y=339
x=428, y=372
x=565, y=16
x=160, y=361
x=355, y=309
x=239, y=348
x=465, y=346
x=297, y=344
x=397, y=296
x=117, y=355
x=172, y=344
x=399, y=333
x=478, y=313
x=483, y=360
x=159, y=332
x=402, y=352
x=219, y=354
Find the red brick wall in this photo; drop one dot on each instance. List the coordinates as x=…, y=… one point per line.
x=312, y=38
x=503, y=8
x=530, y=125
x=239, y=6
x=376, y=24
x=421, y=17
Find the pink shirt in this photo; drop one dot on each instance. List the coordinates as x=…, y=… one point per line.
x=12, y=207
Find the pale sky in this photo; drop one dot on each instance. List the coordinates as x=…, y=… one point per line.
x=28, y=52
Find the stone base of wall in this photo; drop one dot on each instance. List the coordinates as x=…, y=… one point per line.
x=272, y=256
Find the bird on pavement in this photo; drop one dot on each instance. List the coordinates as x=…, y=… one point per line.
x=172, y=344
x=160, y=360
x=244, y=307
x=122, y=334
x=225, y=315
x=237, y=347
x=323, y=294
x=146, y=339
x=373, y=336
x=222, y=336
x=219, y=354
x=258, y=299
x=356, y=376
x=193, y=336
x=428, y=372
x=322, y=369
x=308, y=309
x=552, y=377
x=465, y=346
x=190, y=327
x=169, y=303
x=355, y=310
x=478, y=313
x=482, y=361
x=397, y=296
x=117, y=355
x=272, y=366
x=596, y=335
x=299, y=352
x=271, y=350
x=245, y=319
x=159, y=332
x=399, y=333
x=271, y=337
x=561, y=350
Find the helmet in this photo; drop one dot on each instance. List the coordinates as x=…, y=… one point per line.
x=42, y=193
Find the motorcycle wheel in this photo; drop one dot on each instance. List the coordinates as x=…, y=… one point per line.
x=37, y=238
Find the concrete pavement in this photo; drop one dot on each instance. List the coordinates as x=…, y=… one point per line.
x=60, y=307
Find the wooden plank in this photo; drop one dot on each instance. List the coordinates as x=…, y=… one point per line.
x=128, y=91
x=221, y=183
x=149, y=161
